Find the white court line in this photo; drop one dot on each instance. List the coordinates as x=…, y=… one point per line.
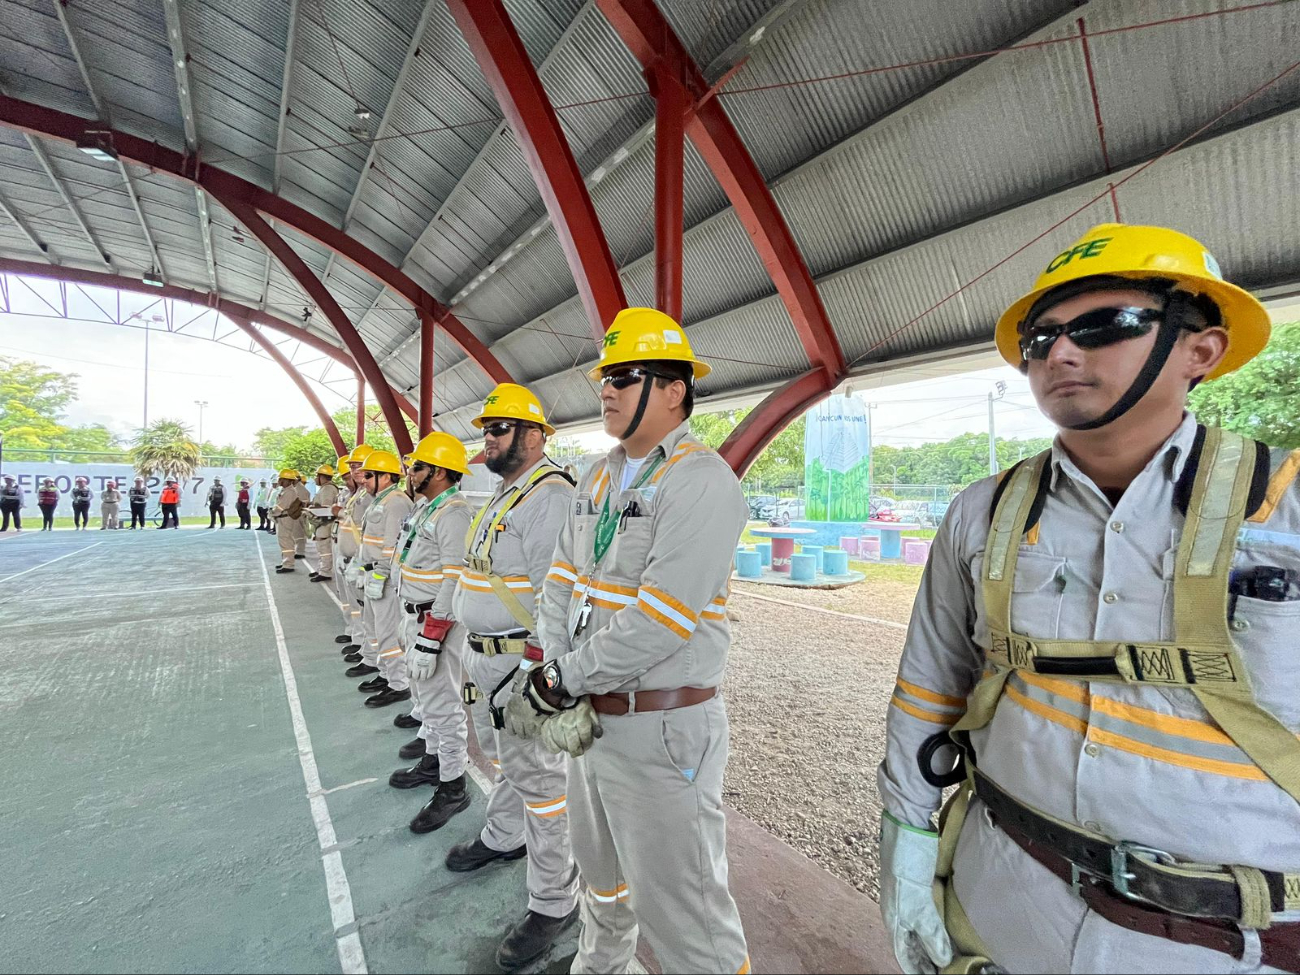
x=142, y=592
x=480, y=778
x=51, y=562
x=818, y=609
x=352, y=956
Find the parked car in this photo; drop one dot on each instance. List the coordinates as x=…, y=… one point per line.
x=779, y=511
x=759, y=503
x=882, y=509
x=929, y=514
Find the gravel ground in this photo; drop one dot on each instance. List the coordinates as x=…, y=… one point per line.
x=886, y=599
x=806, y=695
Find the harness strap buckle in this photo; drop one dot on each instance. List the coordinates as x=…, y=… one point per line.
x=1119, y=857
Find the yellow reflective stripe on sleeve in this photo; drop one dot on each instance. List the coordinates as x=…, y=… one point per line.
x=548, y=808
x=934, y=697
x=373, y=539
x=716, y=610
x=682, y=452
x=563, y=573
x=392, y=652
x=453, y=569
x=743, y=969
x=619, y=893
x=933, y=717
x=1282, y=479
x=665, y=610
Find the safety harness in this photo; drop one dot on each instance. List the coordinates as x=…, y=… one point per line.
x=481, y=561
x=1224, y=481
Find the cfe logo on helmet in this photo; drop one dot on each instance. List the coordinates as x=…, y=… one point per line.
x=1083, y=251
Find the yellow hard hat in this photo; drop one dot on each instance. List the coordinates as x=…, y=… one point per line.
x=342, y=464
x=442, y=450
x=1130, y=251
x=360, y=453
x=646, y=335
x=512, y=402
x=383, y=462
x=289, y=474
x=325, y=469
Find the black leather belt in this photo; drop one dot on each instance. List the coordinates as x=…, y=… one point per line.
x=415, y=608
x=1134, y=871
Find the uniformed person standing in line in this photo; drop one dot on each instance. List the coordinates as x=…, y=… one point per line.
x=381, y=472
x=430, y=559
x=110, y=502
x=300, y=540
x=81, y=497
x=1109, y=631
x=327, y=495
x=510, y=547
x=138, y=495
x=635, y=629
x=360, y=652
x=262, y=502
x=286, y=514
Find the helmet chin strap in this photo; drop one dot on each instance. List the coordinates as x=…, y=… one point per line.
x=1166, y=336
x=641, y=405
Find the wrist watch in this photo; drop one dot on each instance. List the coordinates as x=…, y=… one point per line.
x=551, y=677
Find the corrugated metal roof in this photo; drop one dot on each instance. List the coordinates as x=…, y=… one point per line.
x=900, y=185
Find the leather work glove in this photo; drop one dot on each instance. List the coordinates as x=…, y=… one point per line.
x=523, y=718
x=375, y=583
x=422, y=658
x=573, y=731
x=907, y=862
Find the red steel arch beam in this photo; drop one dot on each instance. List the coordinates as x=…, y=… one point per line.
x=510, y=74
x=326, y=420
x=232, y=190
x=426, y=376
x=279, y=248
x=102, y=279
x=671, y=102
x=773, y=415
x=653, y=42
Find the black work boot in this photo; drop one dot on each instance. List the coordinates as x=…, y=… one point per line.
x=353, y=658
x=406, y=720
x=530, y=938
x=372, y=685
x=350, y=648
x=342, y=637
x=464, y=857
x=425, y=773
x=317, y=577
x=449, y=799
x=360, y=670
x=412, y=749
x=388, y=696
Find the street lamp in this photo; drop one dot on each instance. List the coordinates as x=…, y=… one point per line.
x=200, y=403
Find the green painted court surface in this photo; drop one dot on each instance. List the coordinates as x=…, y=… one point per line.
x=156, y=816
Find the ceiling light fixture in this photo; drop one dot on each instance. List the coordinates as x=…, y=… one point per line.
x=97, y=144
x=152, y=278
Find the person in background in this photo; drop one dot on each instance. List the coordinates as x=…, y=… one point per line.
x=81, y=496
x=262, y=502
x=11, y=503
x=139, y=498
x=216, y=503
x=171, y=501
x=272, y=499
x=47, y=499
x=110, y=503
x=241, y=505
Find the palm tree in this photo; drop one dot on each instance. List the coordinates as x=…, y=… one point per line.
x=167, y=448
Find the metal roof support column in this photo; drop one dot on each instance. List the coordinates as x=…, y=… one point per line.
x=514, y=81
x=326, y=420
x=671, y=104
x=325, y=301
x=361, y=409
x=426, y=375
x=777, y=411
x=652, y=41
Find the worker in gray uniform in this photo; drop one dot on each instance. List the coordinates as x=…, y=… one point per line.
x=509, y=553
x=381, y=472
x=327, y=495
x=359, y=651
x=300, y=528
x=635, y=630
x=430, y=561
x=1108, y=634
x=286, y=515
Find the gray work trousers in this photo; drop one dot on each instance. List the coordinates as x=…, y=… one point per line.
x=384, y=617
x=527, y=802
x=436, y=702
x=108, y=511
x=351, y=608
x=650, y=837
x=289, y=533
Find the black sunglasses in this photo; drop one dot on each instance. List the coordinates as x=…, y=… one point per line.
x=499, y=428
x=368, y=475
x=1091, y=330
x=623, y=378
x=420, y=465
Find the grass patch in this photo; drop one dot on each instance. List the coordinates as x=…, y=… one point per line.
x=34, y=523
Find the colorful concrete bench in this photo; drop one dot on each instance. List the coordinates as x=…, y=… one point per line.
x=815, y=551
x=764, y=550
x=803, y=567
x=916, y=550
x=749, y=565
x=850, y=544
x=835, y=562
x=869, y=547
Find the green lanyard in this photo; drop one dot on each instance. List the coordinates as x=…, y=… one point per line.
x=607, y=524
x=424, y=516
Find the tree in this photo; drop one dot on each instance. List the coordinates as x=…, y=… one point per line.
x=781, y=461
x=32, y=401
x=166, y=447
x=1262, y=398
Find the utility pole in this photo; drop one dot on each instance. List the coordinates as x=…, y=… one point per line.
x=993, y=442
x=200, y=403
x=145, y=425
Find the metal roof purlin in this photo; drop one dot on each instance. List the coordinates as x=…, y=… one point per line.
x=510, y=73
x=18, y=222
x=104, y=115
x=286, y=85
x=43, y=158
x=180, y=66
x=372, y=155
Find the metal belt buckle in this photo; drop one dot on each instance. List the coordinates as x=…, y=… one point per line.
x=1119, y=856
